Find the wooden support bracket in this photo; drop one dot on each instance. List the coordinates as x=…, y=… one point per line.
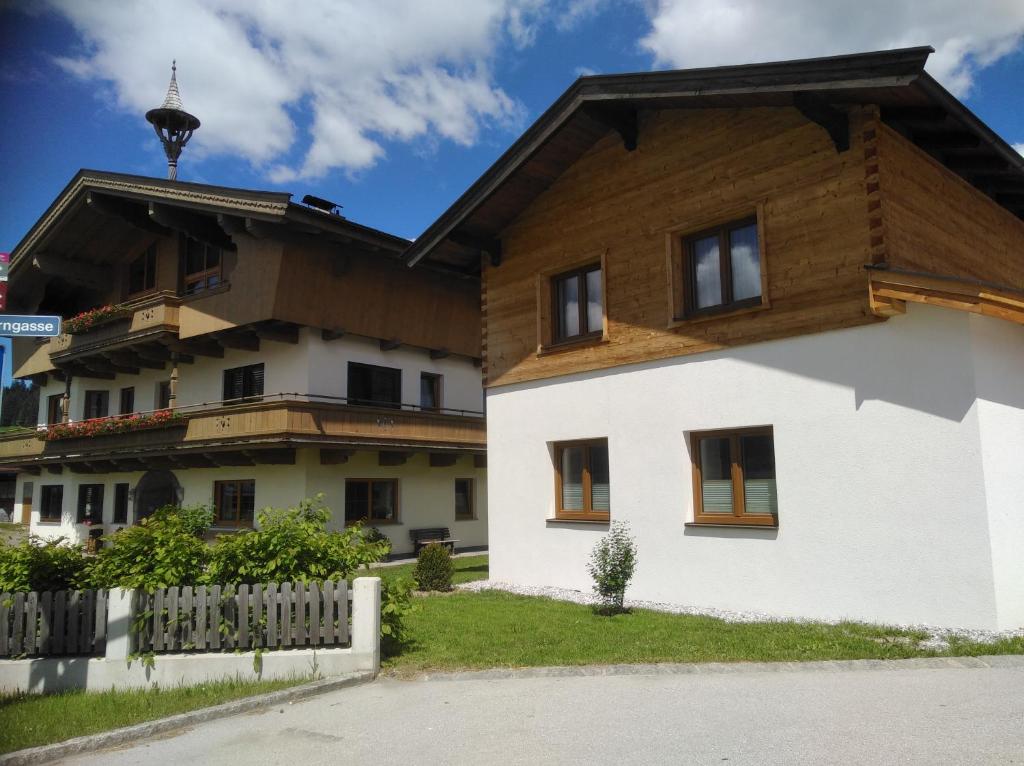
x=835, y=121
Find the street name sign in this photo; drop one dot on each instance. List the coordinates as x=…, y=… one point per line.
x=27, y=326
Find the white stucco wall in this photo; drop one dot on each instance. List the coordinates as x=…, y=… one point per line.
x=426, y=495
x=885, y=477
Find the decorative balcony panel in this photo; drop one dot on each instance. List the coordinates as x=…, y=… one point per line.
x=144, y=321
x=245, y=427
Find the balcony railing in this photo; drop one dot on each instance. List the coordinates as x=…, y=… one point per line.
x=293, y=418
x=144, y=317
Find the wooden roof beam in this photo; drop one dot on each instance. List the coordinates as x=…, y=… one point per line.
x=81, y=273
x=101, y=366
x=284, y=333
x=835, y=121
x=484, y=246
x=276, y=456
x=196, y=347
x=944, y=140
x=392, y=458
x=439, y=353
x=129, y=359
x=622, y=121
x=243, y=341
x=442, y=459
x=331, y=456
x=129, y=212
x=390, y=344
x=330, y=335
x=200, y=227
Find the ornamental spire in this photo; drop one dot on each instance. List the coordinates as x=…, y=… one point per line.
x=173, y=125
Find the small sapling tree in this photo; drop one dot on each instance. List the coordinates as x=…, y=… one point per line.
x=612, y=563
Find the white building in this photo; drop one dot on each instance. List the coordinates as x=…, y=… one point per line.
x=288, y=350
x=770, y=316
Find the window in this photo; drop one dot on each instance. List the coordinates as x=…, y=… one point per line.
x=430, y=391
x=96, y=404
x=577, y=312
x=127, y=403
x=234, y=503
x=722, y=268
x=120, y=504
x=90, y=504
x=51, y=502
x=142, y=272
x=202, y=266
x=371, y=500
x=163, y=395
x=582, y=487
x=734, y=477
x=465, y=509
x=372, y=385
x=54, y=413
x=243, y=383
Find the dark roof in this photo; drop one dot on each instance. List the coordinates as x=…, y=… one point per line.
x=125, y=202
x=911, y=101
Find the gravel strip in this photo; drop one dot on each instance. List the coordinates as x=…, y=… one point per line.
x=938, y=637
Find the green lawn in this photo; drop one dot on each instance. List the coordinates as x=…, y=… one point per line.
x=11, y=533
x=32, y=720
x=466, y=568
x=494, y=629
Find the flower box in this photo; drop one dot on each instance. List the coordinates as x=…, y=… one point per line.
x=115, y=425
x=87, y=320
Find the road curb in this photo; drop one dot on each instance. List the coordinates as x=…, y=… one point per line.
x=694, y=668
x=107, y=739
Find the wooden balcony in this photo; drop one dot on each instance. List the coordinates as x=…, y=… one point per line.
x=147, y=320
x=268, y=431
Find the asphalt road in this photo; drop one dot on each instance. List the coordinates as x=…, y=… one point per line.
x=919, y=716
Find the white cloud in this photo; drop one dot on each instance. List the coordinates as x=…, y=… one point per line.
x=578, y=11
x=367, y=71
x=1019, y=147
x=966, y=35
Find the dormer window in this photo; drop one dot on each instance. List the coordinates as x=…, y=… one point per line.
x=202, y=266
x=142, y=273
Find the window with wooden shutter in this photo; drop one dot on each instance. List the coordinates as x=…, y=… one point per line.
x=51, y=503
x=243, y=383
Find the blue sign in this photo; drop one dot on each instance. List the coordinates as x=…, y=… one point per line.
x=20, y=326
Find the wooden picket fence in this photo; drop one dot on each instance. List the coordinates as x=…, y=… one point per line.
x=264, y=615
x=63, y=622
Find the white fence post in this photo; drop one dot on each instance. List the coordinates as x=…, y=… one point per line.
x=119, y=623
x=366, y=619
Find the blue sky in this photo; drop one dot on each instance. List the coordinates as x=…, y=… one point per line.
x=393, y=110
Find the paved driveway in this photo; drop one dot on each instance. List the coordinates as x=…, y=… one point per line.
x=922, y=715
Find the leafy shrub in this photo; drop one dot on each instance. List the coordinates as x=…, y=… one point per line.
x=434, y=568
x=374, y=535
x=612, y=563
x=39, y=565
x=395, y=604
x=292, y=544
x=161, y=551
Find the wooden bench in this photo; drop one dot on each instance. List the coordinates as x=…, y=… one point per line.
x=424, y=537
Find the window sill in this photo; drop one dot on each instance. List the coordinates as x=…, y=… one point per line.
x=685, y=321
x=48, y=523
x=587, y=341
x=591, y=522
x=729, y=525
x=466, y=518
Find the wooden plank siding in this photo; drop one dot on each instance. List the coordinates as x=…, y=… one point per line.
x=692, y=169
x=938, y=224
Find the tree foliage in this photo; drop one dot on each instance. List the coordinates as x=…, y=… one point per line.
x=38, y=565
x=612, y=563
x=20, y=405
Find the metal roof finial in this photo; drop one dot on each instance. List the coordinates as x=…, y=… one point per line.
x=173, y=125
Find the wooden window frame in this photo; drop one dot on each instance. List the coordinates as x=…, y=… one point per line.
x=547, y=306
x=237, y=522
x=161, y=402
x=396, y=517
x=54, y=415
x=587, y=514
x=583, y=299
x=438, y=382
x=738, y=515
x=151, y=251
x=203, y=275
x=80, y=506
x=90, y=394
x=44, y=491
x=472, y=499
x=681, y=283
x=126, y=392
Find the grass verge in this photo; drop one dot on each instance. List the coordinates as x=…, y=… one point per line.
x=33, y=720
x=464, y=569
x=492, y=629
